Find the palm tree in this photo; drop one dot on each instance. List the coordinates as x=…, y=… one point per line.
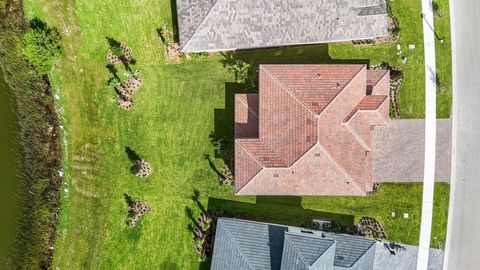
x=436, y=9
x=129, y=73
x=114, y=82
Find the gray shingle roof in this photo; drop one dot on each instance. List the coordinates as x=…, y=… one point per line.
x=304, y=252
x=248, y=245
x=217, y=25
x=241, y=244
x=350, y=249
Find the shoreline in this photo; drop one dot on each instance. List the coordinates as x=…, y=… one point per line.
x=38, y=155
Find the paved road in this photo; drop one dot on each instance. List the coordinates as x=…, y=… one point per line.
x=463, y=232
x=430, y=135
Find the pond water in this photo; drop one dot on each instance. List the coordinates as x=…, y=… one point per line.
x=8, y=179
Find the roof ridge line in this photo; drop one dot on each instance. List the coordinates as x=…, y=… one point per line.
x=248, y=108
x=356, y=109
x=262, y=142
x=338, y=165
x=355, y=134
x=296, y=161
x=238, y=248
x=248, y=152
x=347, y=84
x=298, y=251
x=254, y=159
x=203, y=20
x=374, y=244
x=379, y=114
x=287, y=90
x=246, y=184
x=386, y=71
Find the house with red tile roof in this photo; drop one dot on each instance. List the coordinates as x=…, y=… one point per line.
x=308, y=130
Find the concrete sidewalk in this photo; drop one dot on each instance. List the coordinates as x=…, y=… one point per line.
x=430, y=135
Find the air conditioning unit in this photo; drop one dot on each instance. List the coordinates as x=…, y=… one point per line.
x=323, y=225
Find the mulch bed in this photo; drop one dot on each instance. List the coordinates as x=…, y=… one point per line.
x=173, y=52
x=135, y=212
x=127, y=55
x=370, y=228
x=396, y=80
x=126, y=90
x=144, y=169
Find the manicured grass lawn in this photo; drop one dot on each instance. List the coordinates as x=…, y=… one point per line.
x=177, y=108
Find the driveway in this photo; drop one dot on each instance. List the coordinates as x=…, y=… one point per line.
x=399, y=151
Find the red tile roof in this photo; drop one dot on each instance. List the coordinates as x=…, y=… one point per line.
x=313, y=133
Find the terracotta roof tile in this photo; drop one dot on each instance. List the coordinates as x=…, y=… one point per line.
x=303, y=145
x=368, y=103
x=246, y=116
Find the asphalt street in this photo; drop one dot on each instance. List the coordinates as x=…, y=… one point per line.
x=463, y=232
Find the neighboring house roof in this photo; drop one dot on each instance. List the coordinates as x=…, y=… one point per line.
x=220, y=25
x=307, y=132
x=249, y=245
x=243, y=244
x=304, y=252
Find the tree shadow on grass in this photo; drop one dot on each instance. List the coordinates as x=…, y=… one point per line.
x=222, y=135
x=128, y=199
x=168, y=265
x=134, y=159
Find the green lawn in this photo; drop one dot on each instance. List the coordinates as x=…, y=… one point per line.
x=177, y=108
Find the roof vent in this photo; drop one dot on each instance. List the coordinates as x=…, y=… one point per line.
x=341, y=258
x=309, y=138
x=314, y=103
x=275, y=175
x=309, y=232
x=317, y=154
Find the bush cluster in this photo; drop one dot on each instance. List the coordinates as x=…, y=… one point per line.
x=41, y=45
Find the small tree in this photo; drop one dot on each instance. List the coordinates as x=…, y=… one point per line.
x=132, y=73
x=117, y=51
x=114, y=82
x=436, y=9
x=41, y=45
x=241, y=71
x=165, y=35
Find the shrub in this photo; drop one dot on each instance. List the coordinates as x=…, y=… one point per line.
x=41, y=45
x=117, y=51
x=371, y=228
